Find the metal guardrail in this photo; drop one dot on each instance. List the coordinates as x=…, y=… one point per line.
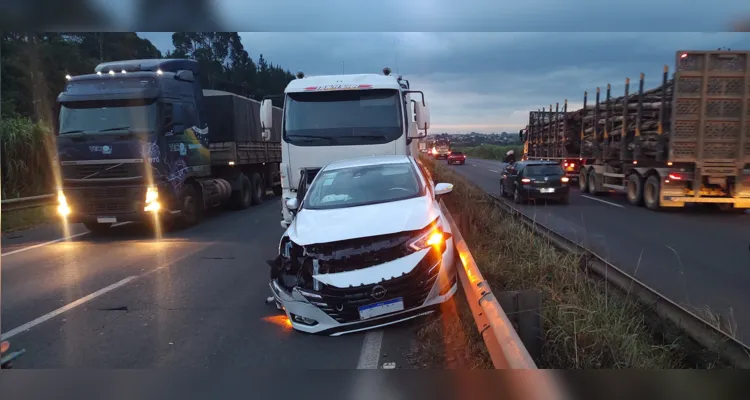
x=27, y=202
x=503, y=343
x=711, y=337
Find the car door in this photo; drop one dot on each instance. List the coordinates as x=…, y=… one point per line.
x=516, y=177
x=509, y=178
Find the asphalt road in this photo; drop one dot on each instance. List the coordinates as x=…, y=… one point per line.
x=699, y=258
x=193, y=299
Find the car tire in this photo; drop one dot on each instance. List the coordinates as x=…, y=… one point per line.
x=517, y=196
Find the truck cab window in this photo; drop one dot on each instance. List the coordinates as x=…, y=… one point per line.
x=340, y=118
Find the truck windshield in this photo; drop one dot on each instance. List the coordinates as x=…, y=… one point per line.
x=101, y=117
x=359, y=186
x=341, y=118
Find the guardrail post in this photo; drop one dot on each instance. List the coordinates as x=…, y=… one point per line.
x=524, y=309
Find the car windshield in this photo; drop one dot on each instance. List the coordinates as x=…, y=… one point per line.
x=347, y=117
x=358, y=186
x=98, y=117
x=544, y=170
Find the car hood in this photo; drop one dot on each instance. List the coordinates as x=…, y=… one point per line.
x=324, y=226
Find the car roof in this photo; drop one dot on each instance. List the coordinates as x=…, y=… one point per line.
x=366, y=161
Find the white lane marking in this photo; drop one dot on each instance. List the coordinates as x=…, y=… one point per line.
x=370, y=354
x=603, y=201
x=36, y=246
x=389, y=365
x=492, y=170
x=82, y=300
x=473, y=165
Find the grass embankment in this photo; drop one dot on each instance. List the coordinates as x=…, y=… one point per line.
x=586, y=324
x=25, y=169
x=490, y=151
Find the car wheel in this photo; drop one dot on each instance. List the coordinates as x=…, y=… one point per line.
x=517, y=196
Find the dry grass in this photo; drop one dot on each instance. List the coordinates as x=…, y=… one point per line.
x=27, y=218
x=586, y=324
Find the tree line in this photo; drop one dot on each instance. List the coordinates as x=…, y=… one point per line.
x=33, y=67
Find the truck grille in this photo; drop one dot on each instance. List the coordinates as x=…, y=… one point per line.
x=342, y=304
x=105, y=201
x=102, y=171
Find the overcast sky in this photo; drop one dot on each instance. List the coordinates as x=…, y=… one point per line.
x=486, y=82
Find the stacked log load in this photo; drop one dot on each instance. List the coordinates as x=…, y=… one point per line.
x=610, y=118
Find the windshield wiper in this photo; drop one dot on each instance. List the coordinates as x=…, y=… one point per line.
x=119, y=128
x=73, y=131
x=313, y=137
x=371, y=136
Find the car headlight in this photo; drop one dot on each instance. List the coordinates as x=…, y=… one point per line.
x=434, y=236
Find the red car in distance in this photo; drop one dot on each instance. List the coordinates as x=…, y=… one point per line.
x=456, y=157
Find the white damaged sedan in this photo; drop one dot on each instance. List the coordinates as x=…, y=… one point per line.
x=368, y=247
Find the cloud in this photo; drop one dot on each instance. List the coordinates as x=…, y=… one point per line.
x=486, y=81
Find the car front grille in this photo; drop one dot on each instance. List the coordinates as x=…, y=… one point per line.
x=342, y=304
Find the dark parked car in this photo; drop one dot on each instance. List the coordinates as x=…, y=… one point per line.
x=535, y=180
x=457, y=157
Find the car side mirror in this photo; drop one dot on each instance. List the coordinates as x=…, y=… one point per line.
x=292, y=204
x=443, y=189
x=266, y=118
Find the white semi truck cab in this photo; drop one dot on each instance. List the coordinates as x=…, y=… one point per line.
x=335, y=117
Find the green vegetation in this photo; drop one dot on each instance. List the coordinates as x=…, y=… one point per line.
x=586, y=324
x=27, y=218
x=34, y=66
x=490, y=151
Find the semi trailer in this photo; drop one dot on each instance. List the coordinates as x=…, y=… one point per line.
x=684, y=142
x=141, y=141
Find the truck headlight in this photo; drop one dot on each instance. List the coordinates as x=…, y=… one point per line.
x=152, y=200
x=62, y=204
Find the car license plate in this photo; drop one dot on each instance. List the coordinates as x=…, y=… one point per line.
x=106, y=220
x=547, y=190
x=382, y=308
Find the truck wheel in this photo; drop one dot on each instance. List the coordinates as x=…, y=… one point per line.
x=651, y=192
x=582, y=181
x=591, y=180
x=635, y=190
x=96, y=227
x=242, y=198
x=277, y=190
x=258, y=190
x=190, y=214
